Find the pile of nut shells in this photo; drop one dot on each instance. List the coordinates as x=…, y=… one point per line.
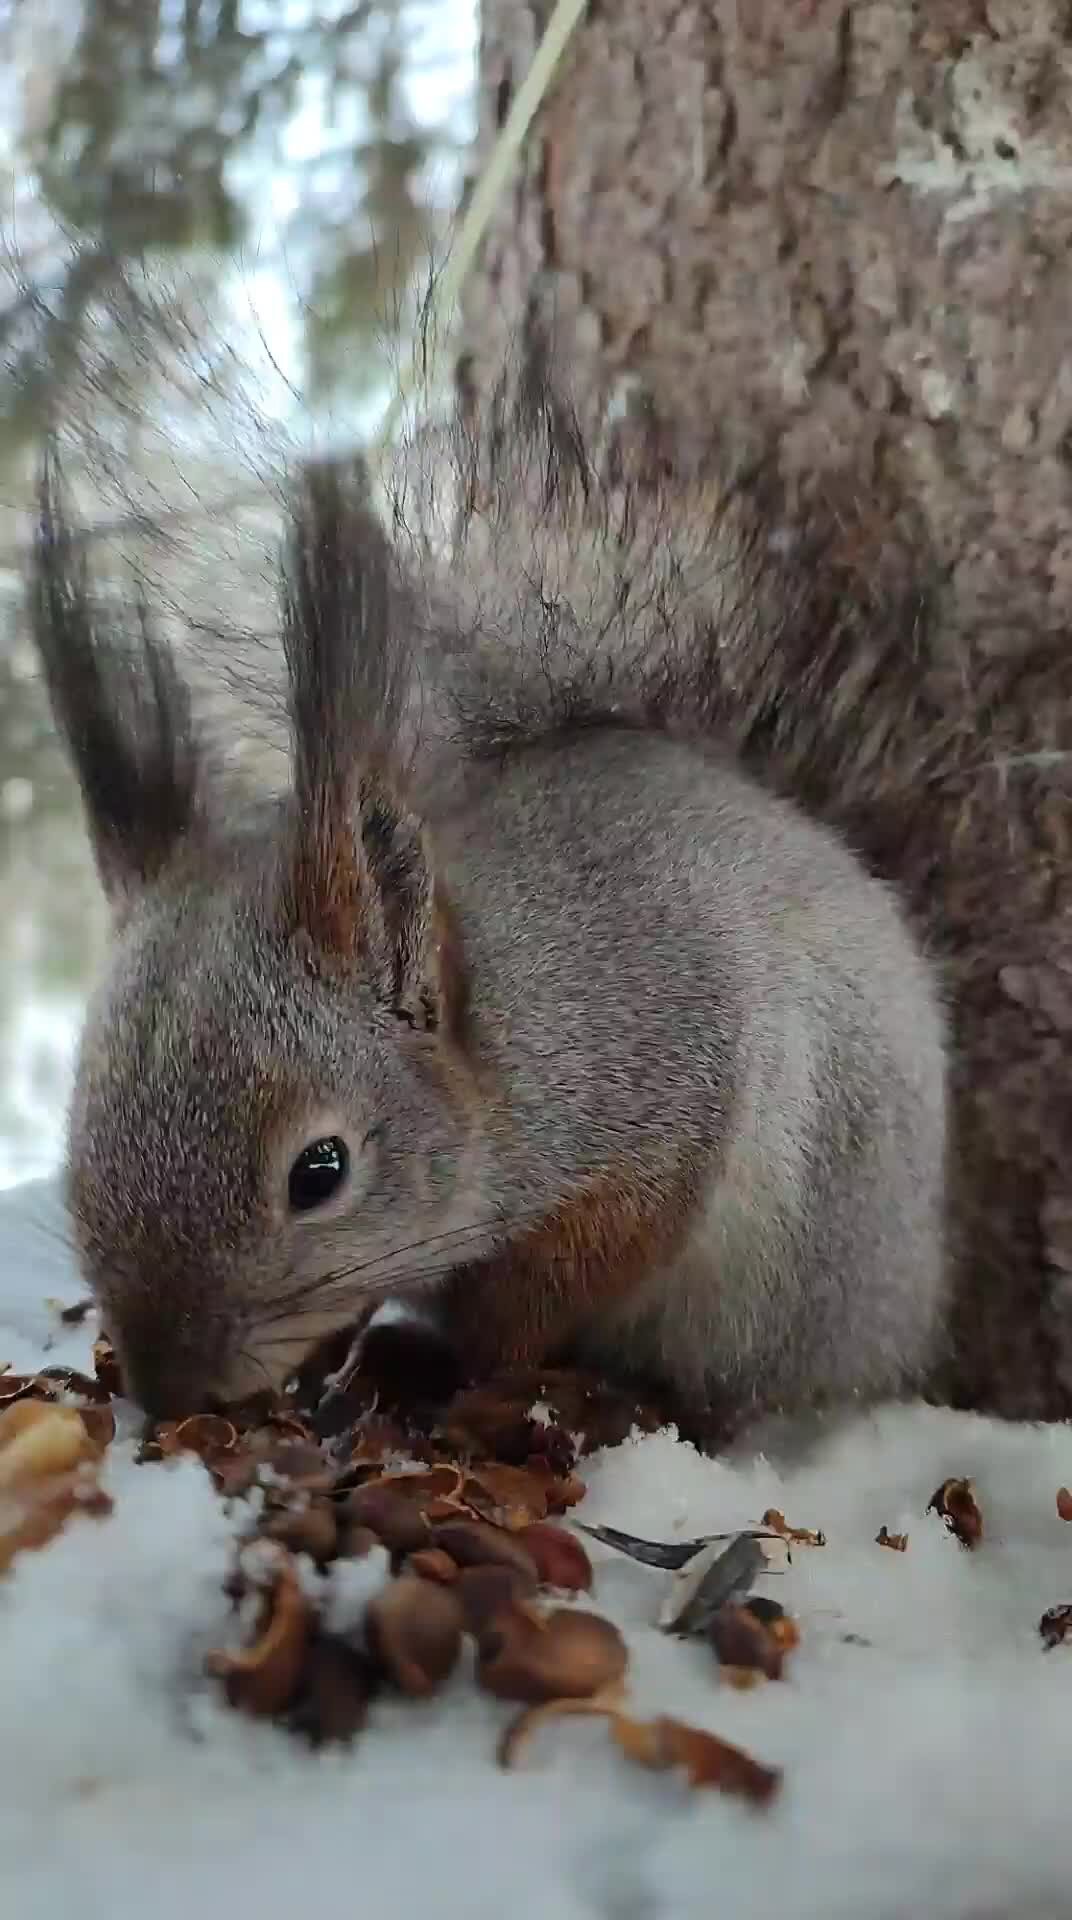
x=393, y=1556
x=400, y=1549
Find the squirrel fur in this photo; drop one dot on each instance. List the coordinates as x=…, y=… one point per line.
x=632, y=1058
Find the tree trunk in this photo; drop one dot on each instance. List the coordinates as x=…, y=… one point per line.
x=836, y=237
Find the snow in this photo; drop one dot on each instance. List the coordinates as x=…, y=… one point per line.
x=923, y=1756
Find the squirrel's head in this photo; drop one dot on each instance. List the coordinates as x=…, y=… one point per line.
x=273, y=1123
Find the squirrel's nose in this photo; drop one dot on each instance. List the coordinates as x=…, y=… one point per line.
x=168, y=1381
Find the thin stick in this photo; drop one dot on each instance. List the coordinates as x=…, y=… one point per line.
x=490, y=185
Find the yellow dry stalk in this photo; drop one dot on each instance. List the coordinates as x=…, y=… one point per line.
x=474, y=225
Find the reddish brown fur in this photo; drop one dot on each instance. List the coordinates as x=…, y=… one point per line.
x=593, y=1253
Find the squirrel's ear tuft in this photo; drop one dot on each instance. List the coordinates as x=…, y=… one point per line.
x=359, y=879
x=121, y=707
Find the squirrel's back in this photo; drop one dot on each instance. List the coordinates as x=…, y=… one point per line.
x=677, y=977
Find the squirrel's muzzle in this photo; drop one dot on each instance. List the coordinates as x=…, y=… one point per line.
x=169, y=1376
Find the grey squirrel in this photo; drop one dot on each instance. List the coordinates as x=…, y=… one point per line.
x=525, y=999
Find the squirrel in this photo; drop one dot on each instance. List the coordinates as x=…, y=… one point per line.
x=525, y=999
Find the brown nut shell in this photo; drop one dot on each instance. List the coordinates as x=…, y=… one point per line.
x=106, y=1366
x=313, y=1530
x=478, y=1543
x=486, y=1592
x=431, y=1563
x=38, y=1440
x=744, y=1641
x=566, y=1654
x=208, y=1435
x=398, y=1523
x=560, y=1559
x=355, y=1542
x=336, y=1689
x=265, y=1678
x=414, y=1632
x=955, y=1501
x=33, y=1516
x=708, y=1761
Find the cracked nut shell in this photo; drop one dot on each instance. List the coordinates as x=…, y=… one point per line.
x=565, y=1654
x=414, y=1632
x=479, y=1543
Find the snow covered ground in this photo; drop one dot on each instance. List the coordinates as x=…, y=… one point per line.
x=923, y=1757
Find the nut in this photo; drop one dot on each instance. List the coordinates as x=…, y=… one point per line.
x=560, y=1559
x=414, y=1631
x=897, y=1542
x=565, y=1654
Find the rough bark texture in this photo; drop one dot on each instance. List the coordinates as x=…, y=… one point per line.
x=838, y=239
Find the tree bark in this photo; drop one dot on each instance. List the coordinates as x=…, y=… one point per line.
x=837, y=239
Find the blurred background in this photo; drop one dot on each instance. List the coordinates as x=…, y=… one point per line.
x=197, y=195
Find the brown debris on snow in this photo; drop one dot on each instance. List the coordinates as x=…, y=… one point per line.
x=955, y=1502
x=465, y=1504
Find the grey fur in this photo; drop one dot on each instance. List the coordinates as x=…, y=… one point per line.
x=514, y=932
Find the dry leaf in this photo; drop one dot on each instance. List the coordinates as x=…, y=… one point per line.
x=720, y=1572
x=955, y=1502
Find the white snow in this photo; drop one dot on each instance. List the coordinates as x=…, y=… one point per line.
x=924, y=1772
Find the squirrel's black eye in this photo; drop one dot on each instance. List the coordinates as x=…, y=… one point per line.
x=317, y=1172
